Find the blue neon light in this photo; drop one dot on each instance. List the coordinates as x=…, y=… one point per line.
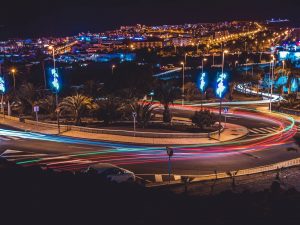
x=221, y=85
x=202, y=82
x=55, y=82
x=2, y=85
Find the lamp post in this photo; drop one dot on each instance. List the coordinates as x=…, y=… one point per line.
x=182, y=63
x=185, y=55
x=56, y=89
x=2, y=90
x=204, y=59
x=213, y=59
x=247, y=60
x=222, y=77
x=183, y=68
x=13, y=71
x=112, y=69
x=272, y=78
x=235, y=63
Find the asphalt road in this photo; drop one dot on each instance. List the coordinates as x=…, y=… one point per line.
x=64, y=153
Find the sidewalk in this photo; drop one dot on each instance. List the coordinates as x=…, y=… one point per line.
x=230, y=133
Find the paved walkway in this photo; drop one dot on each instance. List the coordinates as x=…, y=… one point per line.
x=231, y=132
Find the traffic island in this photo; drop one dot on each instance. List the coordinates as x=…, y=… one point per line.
x=229, y=133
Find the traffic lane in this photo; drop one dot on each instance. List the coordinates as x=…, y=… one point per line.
x=217, y=162
x=230, y=118
x=48, y=147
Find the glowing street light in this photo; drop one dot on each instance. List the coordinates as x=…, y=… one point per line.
x=13, y=71
x=235, y=63
x=182, y=63
x=112, y=69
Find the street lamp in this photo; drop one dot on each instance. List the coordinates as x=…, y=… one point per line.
x=235, y=63
x=185, y=55
x=56, y=86
x=272, y=78
x=213, y=59
x=221, y=90
x=13, y=71
x=247, y=60
x=182, y=63
x=53, y=55
x=204, y=59
x=112, y=69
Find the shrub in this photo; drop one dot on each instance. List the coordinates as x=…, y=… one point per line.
x=203, y=118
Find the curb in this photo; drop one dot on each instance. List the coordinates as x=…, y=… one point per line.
x=181, y=179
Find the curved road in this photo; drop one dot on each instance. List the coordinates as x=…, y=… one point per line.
x=63, y=153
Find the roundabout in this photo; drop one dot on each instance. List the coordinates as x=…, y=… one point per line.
x=67, y=153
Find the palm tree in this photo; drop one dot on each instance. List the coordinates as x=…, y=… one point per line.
x=144, y=112
x=49, y=105
x=109, y=109
x=28, y=95
x=191, y=91
x=77, y=105
x=166, y=93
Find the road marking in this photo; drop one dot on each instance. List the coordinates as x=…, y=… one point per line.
x=81, y=147
x=269, y=129
x=260, y=131
x=253, y=131
x=13, y=137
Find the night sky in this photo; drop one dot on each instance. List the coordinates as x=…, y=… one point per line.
x=33, y=18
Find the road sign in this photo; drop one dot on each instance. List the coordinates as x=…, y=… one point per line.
x=169, y=151
x=36, y=108
x=226, y=109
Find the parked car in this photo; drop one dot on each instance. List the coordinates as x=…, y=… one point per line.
x=111, y=172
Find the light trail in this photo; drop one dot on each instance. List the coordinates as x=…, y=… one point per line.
x=129, y=154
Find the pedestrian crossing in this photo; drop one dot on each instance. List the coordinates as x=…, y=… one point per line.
x=9, y=138
x=16, y=155
x=263, y=130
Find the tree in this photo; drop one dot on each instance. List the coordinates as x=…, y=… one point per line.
x=109, y=109
x=144, y=112
x=77, y=105
x=166, y=93
x=49, y=105
x=203, y=119
x=191, y=91
x=28, y=95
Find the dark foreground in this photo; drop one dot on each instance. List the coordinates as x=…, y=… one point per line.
x=35, y=196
